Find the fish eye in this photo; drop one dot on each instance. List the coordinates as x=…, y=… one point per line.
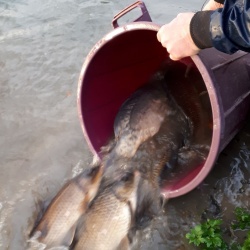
x=127, y=177
x=93, y=170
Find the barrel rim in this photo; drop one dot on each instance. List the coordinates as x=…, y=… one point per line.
x=217, y=128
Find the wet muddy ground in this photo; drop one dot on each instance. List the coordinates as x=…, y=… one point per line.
x=42, y=47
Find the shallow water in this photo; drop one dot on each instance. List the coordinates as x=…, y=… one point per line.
x=42, y=47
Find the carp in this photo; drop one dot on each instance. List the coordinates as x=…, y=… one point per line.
x=110, y=216
x=58, y=223
x=149, y=130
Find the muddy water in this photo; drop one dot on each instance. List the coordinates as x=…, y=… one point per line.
x=42, y=47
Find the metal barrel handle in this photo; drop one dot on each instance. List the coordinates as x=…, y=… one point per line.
x=144, y=17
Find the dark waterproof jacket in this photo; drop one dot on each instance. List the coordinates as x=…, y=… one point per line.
x=227, y=29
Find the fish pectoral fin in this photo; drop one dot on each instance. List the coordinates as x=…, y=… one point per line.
x=68, y=239
x=124, y=244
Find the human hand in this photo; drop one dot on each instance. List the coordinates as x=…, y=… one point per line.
x=212, y=5
x=175, y=37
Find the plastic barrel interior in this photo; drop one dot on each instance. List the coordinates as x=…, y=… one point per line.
x=117, y=66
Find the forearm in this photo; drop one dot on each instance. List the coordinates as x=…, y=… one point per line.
x=227, y=29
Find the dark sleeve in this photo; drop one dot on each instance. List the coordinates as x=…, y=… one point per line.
x=226, y=29
x=220, y=1
x=199, y=29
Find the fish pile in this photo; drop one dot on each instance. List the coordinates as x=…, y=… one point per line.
x=104, y=206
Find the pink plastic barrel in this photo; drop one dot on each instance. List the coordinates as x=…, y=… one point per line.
x=125, y=58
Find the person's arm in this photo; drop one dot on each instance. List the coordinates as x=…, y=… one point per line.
x=199, y=26
x=227, y=29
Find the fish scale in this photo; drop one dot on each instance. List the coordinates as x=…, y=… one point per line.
x=109, y=218
x=152, y=128
x=106, y=223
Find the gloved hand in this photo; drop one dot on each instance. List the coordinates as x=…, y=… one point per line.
x=175, y=37
x=212, y=5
